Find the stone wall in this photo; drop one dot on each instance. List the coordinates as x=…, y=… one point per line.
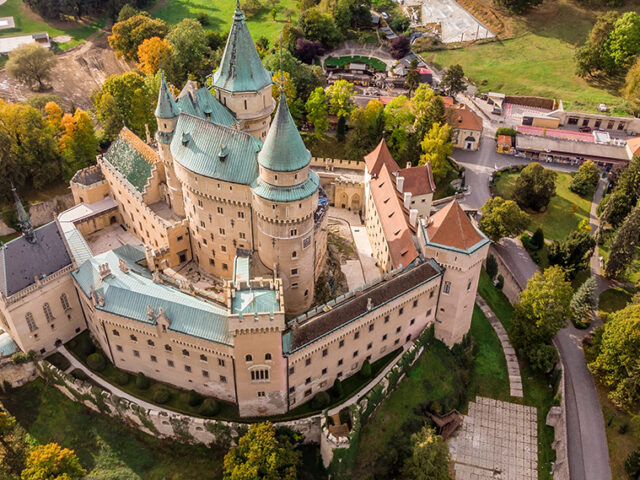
x=16, y=375
x=557, y=419
x=43, y=212
x=511, y=287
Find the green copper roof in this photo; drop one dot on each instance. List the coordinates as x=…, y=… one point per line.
x=132, y=158
x=201, y=103
x=214, y=150
x=255, y=301
x=283, y=150
x=241, y=69
x=167, y=107
x=287, y=194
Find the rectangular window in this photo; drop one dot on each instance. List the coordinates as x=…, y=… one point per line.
x=431, y=294
x=341, y=344
x=398, y=329
x=292, y=389
x=386, y=319
x=119, y=348
x=324, y=371
x=356, y=335
x=307, y=381
x=293, y=232
x=384, y=337
x=415, y=303
x=170, y=363
x=325, y=352
x=307, y=393
x=370, y=346
x=242, y=236
x=223, y=379
x=340, y=362
x=355, y=354
x=154, y=359
x=223, y=248
x=222, y=232
x=294, y=271
x=371, y=327
x=261, y=394
x=240, y=214
x=205, y=374
x=413, y=320
x=307, y=362
x=136, y=353
x=220, y=211
x=396, y=341
x=292, y=370
x=225, y=266
x=306, y=242
x=401, y=311
x=202, y=224
x=446, y=288
x=428, y=312
x=220, y=362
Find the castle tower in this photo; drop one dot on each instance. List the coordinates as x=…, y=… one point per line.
x=285, y=198
x=166, y=113
x=242, y=84
x=23, y=219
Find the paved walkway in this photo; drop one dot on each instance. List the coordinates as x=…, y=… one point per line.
x=515, y=379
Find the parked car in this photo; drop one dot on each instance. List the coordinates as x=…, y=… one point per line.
x=385, y=15
x=585, y=129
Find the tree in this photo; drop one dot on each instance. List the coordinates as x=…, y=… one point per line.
x=543, y=309
x=632, y=464
x=413, y=76
x=52, y=462
x=534, y=187
x=261, y=453
x=78, y=144
x=421, y=102
x=320, y=27
x=153, y=53
x=398, y=120
x=129, y=34
x=502, y=218
x=616, y=362
x=289, y=87
x=189, y=51
x=615, y=207
x=367, y=128
x=31, y=64
x=537, y=240
x=339, y=98
x=436, y=148
x=573, y=253
x=399, y=47
x=429, y=458
x=585, y=180
x=453, y=80
x=250, y=7
x=305, y=77
x=306, y=50
x=491, y=266
x=518, y=6
x=623, y=43
x=624, y=246
x=584, y=300
x=631, y=90
x=127, y=12
x=589, y=57
x=318, y=112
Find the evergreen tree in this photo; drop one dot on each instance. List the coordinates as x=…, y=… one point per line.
x=573, y=253
x=491, y=266
x=617, y=205
x=453, y=80
x=584, y=300
x=623, y=249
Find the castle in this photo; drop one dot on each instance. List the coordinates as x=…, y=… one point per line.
x=194, y=260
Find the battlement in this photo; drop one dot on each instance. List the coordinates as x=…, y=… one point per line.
x=332, y=163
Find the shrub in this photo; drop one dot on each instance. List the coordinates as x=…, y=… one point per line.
x=203, y=19
x=500, y=284
x=506, y=131
x=19, y=358
x=365, y=371
x=142, y=382
x=194, y=398
x=623, y=428
x=537, y=240
x=209, y=407
x=337, y=390
x=525, y=238
x=122, y=378
x=320, y=401
x=345, y=416
x=96, y=362
x=161, y=396
x=435, y=407
x=632, y=464
x=491, y=266
x=86, y=345
x=79, y=374
x=57, y=359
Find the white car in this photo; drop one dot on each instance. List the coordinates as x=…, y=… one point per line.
x=384, y=15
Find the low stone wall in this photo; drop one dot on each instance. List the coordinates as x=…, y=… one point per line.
x=557, y=419
x=511, y=286
x=16, y=375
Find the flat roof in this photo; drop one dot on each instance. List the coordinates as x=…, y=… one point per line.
x=6, y=23
x=8, y=44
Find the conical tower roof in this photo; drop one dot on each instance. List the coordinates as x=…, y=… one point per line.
x=167, y=107
x=241, y=69
x=283, y=149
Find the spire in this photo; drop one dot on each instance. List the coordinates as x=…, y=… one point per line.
x=283, y=149
x=23, y=218
x=167, y=107
x=241, y=69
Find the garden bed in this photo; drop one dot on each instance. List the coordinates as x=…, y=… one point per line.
x=342, y=62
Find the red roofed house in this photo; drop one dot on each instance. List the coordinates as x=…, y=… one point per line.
x=633, y=147
x=466, y=126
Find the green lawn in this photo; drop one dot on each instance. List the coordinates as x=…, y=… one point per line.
x=614, y=299
x=566, y=209
x=221, y=15
x=539, y=62
x=342, y=61
x=29, y=22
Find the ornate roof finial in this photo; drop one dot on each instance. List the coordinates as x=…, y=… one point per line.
x=23, y=218
x=282, y=94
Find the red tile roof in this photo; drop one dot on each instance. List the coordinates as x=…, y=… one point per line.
x=378, y=157
x=505, y=140
x=463, y=118
x=418, y=180
x=452, y=228
x=556, y=133
x=634, y=145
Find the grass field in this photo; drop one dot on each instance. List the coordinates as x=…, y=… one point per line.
x=537, y=62
x=29, y=22
x=342, y=61
x=614, y=299
x=221, y=15
x=566, y=209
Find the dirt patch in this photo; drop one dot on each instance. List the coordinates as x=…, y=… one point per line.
x=340, y=237
x=498, y=22
x=78, y=73
x=332, y=281
x=547, y=9
x=62, y=38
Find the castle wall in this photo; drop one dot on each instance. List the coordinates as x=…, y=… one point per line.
x=377, y=239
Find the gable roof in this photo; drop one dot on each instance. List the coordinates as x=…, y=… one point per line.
x=21, y=261
x=240, y=68
x=133, y=158
x=378, y=157
x=418, y=180
x=463, y=118
x=215, y=151
x=450, y=227
x=634, y=145
x=201, y=103
x=393, y=217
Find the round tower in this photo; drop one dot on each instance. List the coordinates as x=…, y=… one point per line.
x=285, y=198
x=167, y=112
x=242, y=83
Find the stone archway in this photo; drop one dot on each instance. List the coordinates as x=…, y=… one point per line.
x=355, y=202
x=343, y=200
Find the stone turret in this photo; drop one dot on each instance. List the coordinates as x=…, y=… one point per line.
x=23, y=219
x=242, y=83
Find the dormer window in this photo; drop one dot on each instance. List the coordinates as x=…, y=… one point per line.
x=186, y=138
x=223, y=153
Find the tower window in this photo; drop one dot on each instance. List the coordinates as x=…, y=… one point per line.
x=248, y=358
x=30, y=322
x=245, y=104
x=65, y=302
x=47, y=312
x=447, y=287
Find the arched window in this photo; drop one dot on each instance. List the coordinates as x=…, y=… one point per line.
x=248, y=358
x=151, y=343
x=31, y=323
x=47, y=312
x=267, y=356
x=65, y=302
x=203, y=357
x=133, y=338
x=185, y=352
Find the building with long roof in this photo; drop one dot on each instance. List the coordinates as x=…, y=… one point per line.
x=194, y=260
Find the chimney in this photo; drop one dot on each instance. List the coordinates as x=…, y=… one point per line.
x=407, y=200
x=104, y=270
x=413, y=217
x=123, y=266
x=399, y=183
x=369, y=303
x=408, y=164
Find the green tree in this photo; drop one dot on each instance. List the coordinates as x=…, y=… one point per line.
x=318, y=26
x=517, y=6
x=261, y=454
x=616, y=362
x=502, y=218
x=339, y=98
x=367, y=128
x=52, y=462
x=573, y=253
x=31, y=64
x=429, y=458
x=534, y=187
x=413, y=76
x=584, y=300
x=305, y=77
x=615, y=207
x=589, y=57
x=623, y=43
x=453, y=80
x=538, y=238
x=289, y=87
x=631, y=89
x=624, y=246
x=78, y=144
x=189, y=51
x=421, y=102
x=129, y=34
x=436, y=148
x=585, y=180
x=398, y=121
x=491, y=266
x=318, y=111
